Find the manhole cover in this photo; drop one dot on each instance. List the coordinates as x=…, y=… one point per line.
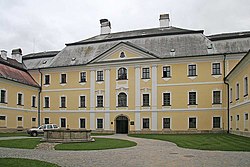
x=189, y=156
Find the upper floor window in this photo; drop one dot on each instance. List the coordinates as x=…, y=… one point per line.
x=46, y=102
x=237, y=91
x=166, y=99
x=145, y=100
x=19, y=99
x=245, y=86
x=216, y=97
x=63, y=102
x=82, y=102
x=231, y=95
x=46, y=79
x=166, y=72
x=192, y=98
x=100, y=101
x=122, y=73
x=63, y=78
x=246, y=116
x=122, y=100
x=192, y=70
x=83, y=77
x=33, y=102
x=145, y=73
x=3, y=96
x=99, y=76
x=216, y=69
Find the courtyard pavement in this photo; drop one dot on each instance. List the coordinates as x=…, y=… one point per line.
x=147, y=153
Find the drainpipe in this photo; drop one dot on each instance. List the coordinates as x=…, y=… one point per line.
x=39, y=99
x=226, y=82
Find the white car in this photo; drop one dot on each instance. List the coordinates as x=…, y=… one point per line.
x=35, y=131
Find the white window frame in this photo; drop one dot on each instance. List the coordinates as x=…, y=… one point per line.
x=32, y=101
x=150, y=71
x=103, y=72
x=103, y=100
x=44, y=102
x=213, y=96
x=80, y=77
x=6, y=95
x=17, y=119
x=116, y=74
x=237, y=91
x=170, y=122
x=44, y=119
x=149, y=127
x=102, y=122
x=245, y=86
x=6, y=119
x=79, y=101
x=162, y=102
x=61, y=101
x=196, y=97
x=230, y=95
x=49, y=80
x=192, y=77
x=80, y=122
x=22, y=100
x=170, y=71
x=149, y=99
x=212, y=69
x=117, y=97
x=65, y=121
x=61, y=78
x=213, y=121
x=196, y=125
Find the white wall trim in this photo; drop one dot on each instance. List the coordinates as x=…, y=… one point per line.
x=191, y=83
x=62, y=90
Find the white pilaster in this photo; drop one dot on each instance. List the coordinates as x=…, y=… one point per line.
x=92, y=121
x=92, y=90
x=154, y=87
x=154, y=120
x=137, y=120
x=107, y=121
x=107, y=99
x=137, y=88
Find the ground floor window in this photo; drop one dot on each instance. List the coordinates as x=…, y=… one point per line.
x=82, y=122
x=192, y=123
x=2, y=118
x=246, y=116
x=33, y=119
x=99, y=123
x=216, y=122
x=46, y=120
x=19, y=118
x=166, y=122
x=63, y=122
x=145, y=123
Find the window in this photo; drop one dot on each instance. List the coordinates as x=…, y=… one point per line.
x=245, y=86
x=166, y=99
x=166, y=123
x=3, y=96
x=122, y=73
x=33, y=103
x=82, y=122
x=19, y=118
x=19, y=99
x=99, y=76
x=63, y=102
x=216, y=69
x=99, y=101
x=216, y=97
x=99, y=123
x=46, y=120
x=145, y=73
x=145, y=123
x=63, y=78
x=83, y=77
x=192, y=70
x=231, y=95
x=122, y=100
x=231, y=118
x=82, y=101
x=192, y=98
x=3, y=118
x=46, y=79
x=145, y=100
x=33, y=119
x=237, y=117
x=216, y=122
x=166, y=72
x=63, y=122
x=46, y=102
x=192, y=122
x=246, y=116
x=122, y=55
x=237, y=91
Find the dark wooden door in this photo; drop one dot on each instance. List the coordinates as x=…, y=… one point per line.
x=122, y=125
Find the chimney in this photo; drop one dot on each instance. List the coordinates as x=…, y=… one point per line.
x=105, y=26
x=17, y=54
x=164, y=20
x=4, y=54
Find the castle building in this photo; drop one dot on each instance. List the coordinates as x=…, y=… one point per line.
x=159, y=80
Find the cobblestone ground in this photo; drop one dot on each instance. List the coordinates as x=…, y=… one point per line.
x=146, y=153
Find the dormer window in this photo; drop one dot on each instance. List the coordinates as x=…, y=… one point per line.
x=73, y=59
x=45, y=61
x=122, y=55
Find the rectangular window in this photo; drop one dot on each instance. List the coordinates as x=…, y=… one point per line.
x=63, y=122
x=99, y=101
x=46, y=102
x=82, y=122
x=63, y=78
x=145, y=73
x=145, y=100
x=192, y=98
x=33, y=119
x=237, y=117
x=63, y=102
x=237, y=91
x=99, y=76
x=192, y=122
x=145, y=123
x=46, y=120
x=99, y=123
x=3, y=96
x=166, y=99
x=33, y=101
x=46, y=79
x=216, y=122
x=231, y=95
x=245, y=86
x=166, y=72
x=231, y=118
x=19, y=98
x=216, y=97
x=166, y=123
x=82, y=101
x=246, y=116
x=19, y=118
x=83, y=77
x=216, y=69
x=3, y=118
x=192, y=70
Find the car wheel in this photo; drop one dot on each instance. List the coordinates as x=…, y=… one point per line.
x=34, y=134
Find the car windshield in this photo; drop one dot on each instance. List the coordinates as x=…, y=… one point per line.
x=41, y=127
x=54, y=126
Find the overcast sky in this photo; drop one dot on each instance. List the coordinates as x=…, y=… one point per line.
x=44, y=25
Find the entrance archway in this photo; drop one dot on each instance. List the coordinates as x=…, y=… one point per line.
x=121, y=124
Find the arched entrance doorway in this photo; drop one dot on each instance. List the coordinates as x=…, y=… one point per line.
x=121, y=124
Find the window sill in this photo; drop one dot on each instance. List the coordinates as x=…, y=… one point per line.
x=237, y=99
x=166, y=105
x=192, y=104
x=167, y=77
x=33, y=106
x=120, y=106
x=216, y=103
x=121, y=79
x=82, y=81
x=99, y=106
x=145, y=78
x=99, y=80
x=47, y=84
x=63, y=83
x=3, y=102
x=216, y=74
x=245, y=95
x=62, y=107
x=82, y=107
x=146, y=106
x=192, y=75
x=20, y=104
x=46, y=107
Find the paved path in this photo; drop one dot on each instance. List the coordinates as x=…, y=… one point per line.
x=147, y=153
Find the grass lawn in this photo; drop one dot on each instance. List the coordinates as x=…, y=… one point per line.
x=221, y=142
x=101, y=134
x=99, y=144
x=20, y=143
x=13, y=134
x=20, y=162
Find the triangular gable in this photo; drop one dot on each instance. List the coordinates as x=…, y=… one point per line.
x=123, y=51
